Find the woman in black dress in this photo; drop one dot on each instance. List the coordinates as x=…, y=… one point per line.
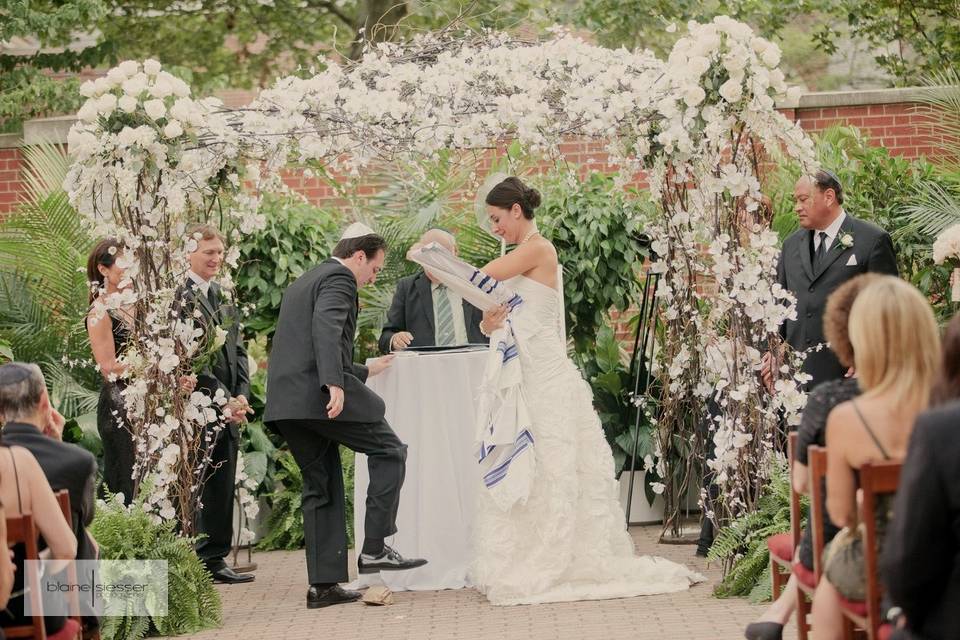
x=109, y=332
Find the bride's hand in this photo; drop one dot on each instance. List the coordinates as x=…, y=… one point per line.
x=494, y=318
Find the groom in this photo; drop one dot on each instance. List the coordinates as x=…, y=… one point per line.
x=317, y=400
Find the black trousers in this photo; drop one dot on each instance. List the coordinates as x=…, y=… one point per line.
x=314, y=445
x=215, y=517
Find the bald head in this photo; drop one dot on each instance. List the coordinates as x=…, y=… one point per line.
x=441, y=237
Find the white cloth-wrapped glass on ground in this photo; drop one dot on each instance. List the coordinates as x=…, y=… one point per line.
x=565, y=538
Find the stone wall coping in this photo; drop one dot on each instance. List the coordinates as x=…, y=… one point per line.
x=53, y=130
x=855, y=98
x=10, y=140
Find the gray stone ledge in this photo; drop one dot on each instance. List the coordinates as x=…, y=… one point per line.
x=860, y=97
x=10, y=140
x=52, y=130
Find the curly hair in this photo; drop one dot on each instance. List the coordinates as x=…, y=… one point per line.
x=836, y=317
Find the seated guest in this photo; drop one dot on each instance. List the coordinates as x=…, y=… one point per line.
x=425, y=312
x=896, y=346
x=7, y=567
x=812, y=431
x=65, y=465
x=920, y=564
x=24, y=488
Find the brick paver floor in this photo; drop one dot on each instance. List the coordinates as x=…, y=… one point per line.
x=272, y=607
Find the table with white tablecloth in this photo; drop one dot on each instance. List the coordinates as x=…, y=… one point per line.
x=430, y=405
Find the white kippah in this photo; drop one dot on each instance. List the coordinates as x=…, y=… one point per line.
x=357, y=230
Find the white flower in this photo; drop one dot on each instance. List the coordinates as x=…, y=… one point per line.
x=947, y=245
x=846, y=240
x=155, y=109
x=771, y=55
x=88, y=89
x=671, y=28
x=135, y=86
x=219, y=338
x=88, y=112
x=694, y=95
x=151, y=67
x=106, y=104
x=80, y=142
x=732, y=90
x=127, y=104
x=173, y=129
x=129, y=68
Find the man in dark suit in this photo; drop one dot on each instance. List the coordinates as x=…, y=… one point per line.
x=831, y=247
x=425, y=312
x=225, y=371
x=39, y=430
x=920, y=562
x=317, y=400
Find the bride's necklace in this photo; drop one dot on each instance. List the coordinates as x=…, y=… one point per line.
x=529, y=235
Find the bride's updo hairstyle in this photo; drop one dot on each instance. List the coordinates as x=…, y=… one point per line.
x=512, y=191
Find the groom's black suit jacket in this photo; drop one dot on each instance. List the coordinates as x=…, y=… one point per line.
x=872, y=250
x=412, y=310
x=313, y=348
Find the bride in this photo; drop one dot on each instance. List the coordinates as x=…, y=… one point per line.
x=567, y=541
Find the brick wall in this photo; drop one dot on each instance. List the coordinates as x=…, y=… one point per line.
x=890, y=117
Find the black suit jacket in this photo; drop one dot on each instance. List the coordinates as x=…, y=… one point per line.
x=872, y=250
x=920, y=559
x=66, y=466
x=313, y=348
x=229, y=369
x=412, y=310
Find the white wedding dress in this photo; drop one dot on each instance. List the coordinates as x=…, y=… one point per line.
x=568, y=540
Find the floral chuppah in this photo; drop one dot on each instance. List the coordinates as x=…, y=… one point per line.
x=149, y=159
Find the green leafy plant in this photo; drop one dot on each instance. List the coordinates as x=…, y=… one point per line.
x=43, y=290
x=193, y=603
x=741, y=546
x=285, y=525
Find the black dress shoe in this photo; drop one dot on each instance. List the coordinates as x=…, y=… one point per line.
x=764, y=631
x=319, y=596
x=226, y=575
x=389, y=560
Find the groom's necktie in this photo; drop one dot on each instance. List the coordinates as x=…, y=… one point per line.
x=445, y=331
x=821, y=251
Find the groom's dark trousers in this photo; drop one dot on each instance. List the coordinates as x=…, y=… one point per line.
x=312, y=351
x=314, y=444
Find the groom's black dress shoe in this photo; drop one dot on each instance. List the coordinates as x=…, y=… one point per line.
x=319, y=596
x=226, y=575
x=389, y=560
x=764, y=631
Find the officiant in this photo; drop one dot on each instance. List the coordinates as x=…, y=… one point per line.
x=425, y=312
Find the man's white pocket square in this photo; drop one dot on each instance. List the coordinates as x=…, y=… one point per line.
x=852, y=262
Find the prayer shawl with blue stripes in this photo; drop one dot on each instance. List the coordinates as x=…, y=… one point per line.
x=504, y=439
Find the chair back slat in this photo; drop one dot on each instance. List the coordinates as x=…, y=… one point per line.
x=21, y=529
x=795, y=514
x=73, y=598
x=817, y=460
x=877, y=479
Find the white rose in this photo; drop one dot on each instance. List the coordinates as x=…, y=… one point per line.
x=81, y=143
x=732, y=90
x=161, y=88
x=151, y=67
x=116, y=76
x=698, y=65
x=134, y=86
x=127, y=104
x=88, y=89
x=155, y=109
x=793, y=94
x=180, y=88
x=694, y=95
x=173, y=129
x=106, y=104
x=88, y=112
x=129, y=68
x=101, y=86
x=771, y=55
x=126, y=137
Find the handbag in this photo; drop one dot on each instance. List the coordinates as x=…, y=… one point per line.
x=843, y=563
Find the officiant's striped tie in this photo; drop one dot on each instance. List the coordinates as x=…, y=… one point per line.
x=445, y=331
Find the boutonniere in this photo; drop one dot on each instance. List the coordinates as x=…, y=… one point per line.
x=845, y=240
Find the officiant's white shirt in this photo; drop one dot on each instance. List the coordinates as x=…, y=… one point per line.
x=456, y=307
x=204, y=285
x=832, y=231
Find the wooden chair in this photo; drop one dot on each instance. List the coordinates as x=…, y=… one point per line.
x=20, y=529
x=782, y=545
x=806, y=580
x=73, y=599
x=876, y=479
